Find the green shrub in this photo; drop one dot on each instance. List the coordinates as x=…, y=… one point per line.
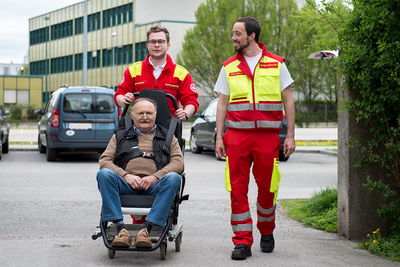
x=16, y=112
x=319, y=211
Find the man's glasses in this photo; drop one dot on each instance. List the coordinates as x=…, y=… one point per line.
x=154, y=42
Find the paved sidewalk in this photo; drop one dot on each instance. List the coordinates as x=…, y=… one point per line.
x=296, y=245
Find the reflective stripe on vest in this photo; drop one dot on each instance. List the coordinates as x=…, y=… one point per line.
x=240, y=107
x=240, y=124
x=269, y=107
x=269, y=124
x=242, y=227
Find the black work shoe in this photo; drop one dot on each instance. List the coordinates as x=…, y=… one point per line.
x=241, y=252
x=267, y=243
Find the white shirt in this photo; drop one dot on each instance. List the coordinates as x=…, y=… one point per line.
x=222, y=85
x=157, y=69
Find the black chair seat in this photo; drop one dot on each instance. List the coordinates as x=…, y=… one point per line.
x=137, y=201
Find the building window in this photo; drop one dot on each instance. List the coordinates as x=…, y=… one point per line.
x=61, y=64
x=93, y=23
x=61, y=30
x=39, y=36
x=23, y=96
x=117, y=15
x=93, y=59
x=6, y=71
x=122, y=55
x=10, y=97
x=79, y=62
x=38, y=67
x=140, y=51
x=79, y=25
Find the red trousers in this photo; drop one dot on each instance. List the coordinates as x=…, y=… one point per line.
x=244, y=149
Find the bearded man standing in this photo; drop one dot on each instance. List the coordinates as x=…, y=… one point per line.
x=253, y=87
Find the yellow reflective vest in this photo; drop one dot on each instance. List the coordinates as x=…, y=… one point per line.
x=255, y=101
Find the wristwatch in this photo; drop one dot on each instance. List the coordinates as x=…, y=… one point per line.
x=186, y=116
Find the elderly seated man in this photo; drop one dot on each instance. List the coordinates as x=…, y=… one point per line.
x=123, y=173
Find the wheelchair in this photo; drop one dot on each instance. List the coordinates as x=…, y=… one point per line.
x=136, y=205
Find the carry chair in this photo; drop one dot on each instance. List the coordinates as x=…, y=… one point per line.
x=141, y=205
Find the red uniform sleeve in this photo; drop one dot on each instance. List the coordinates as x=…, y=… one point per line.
x=126, y=85
x=187, y=94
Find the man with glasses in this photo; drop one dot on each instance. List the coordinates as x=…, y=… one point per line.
x=130, y=165
x=158, y=71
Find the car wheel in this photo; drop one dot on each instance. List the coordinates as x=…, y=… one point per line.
x=282, y=156
x=42, y=148
x=51, y=153
x=5, y=146
x=193, y=144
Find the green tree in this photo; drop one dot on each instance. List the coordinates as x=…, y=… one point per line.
x=313, y=78
x=208, y=43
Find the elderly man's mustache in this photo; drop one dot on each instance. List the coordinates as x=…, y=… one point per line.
x=145, y=120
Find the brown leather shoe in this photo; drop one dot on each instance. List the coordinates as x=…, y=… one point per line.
x=142, y=239
x=124, y=239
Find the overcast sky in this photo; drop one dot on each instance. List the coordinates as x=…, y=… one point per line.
x=14, y=25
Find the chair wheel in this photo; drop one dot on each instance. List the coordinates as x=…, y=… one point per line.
x=178, y=241
x=111, y=253
x=163, y=250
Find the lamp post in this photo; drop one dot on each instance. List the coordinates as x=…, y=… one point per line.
x=47, y=36
x=113, y=61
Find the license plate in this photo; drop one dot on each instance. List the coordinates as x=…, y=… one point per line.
x=79, y=126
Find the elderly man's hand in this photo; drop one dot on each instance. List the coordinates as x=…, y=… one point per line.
x=147, y=182
x=133, y=180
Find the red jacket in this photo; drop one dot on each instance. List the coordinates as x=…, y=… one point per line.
x=174, y=80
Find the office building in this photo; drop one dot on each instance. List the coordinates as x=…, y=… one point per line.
x=56, y=38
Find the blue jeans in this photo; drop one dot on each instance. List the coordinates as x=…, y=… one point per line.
x=111, y=185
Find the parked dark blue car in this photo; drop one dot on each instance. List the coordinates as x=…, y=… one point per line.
x=203, y=132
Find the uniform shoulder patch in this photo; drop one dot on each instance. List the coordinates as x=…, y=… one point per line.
x=180, y=72
x=135, y=69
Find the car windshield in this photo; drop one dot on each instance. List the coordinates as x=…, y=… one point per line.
x=211, y=109
x=86, y=103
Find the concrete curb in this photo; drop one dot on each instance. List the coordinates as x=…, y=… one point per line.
x=322, y=151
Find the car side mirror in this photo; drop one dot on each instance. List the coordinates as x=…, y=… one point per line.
x=197, y=115
x=39, y=112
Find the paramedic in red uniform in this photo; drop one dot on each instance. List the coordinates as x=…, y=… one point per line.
x=254, y=87
x=158, y=71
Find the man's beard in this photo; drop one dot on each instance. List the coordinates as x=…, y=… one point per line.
x=242, y=47
x=161, y=56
